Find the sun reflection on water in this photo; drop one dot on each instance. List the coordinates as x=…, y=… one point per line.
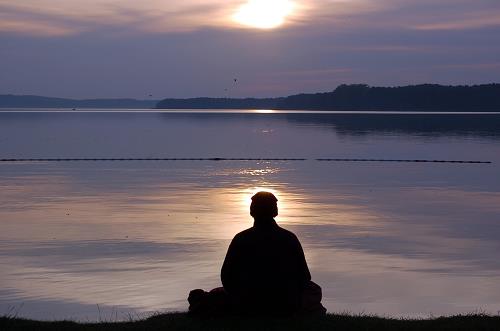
x=264, y=111
x=258, y=172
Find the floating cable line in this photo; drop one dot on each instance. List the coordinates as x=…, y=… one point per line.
x=147, y=159
x=81, y=159
x=403, y=161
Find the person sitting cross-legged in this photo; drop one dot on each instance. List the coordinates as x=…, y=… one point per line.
x=264, y=273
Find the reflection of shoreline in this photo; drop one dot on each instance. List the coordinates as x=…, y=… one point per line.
x=430, y=125
x=483, y=125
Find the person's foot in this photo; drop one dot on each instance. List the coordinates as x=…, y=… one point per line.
x=195, y=296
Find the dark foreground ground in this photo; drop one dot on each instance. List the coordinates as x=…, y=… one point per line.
x=180, y=321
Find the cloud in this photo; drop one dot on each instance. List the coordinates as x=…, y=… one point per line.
x=56, y=17
x=475, y=22
x=59, y=17
x=35, y=28
x=409, y=14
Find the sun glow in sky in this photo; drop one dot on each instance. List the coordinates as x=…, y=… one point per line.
x=264, y=14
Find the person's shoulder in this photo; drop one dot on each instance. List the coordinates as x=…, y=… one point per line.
x=288, y=234
x=243, y=234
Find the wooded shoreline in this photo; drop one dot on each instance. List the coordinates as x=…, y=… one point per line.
x=358, y=97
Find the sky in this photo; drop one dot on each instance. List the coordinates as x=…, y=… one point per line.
x=242, y=48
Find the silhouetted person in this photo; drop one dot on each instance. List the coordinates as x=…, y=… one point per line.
x=264, y=272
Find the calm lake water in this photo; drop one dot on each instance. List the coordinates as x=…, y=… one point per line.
x=398, y=239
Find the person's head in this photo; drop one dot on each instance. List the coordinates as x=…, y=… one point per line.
x=264, y=205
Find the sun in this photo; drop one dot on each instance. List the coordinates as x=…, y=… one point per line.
x=264, y=14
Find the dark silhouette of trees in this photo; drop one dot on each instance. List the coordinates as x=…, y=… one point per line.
x=219, y=103
x=361, y=97
x=33, y=101
x=357, y=97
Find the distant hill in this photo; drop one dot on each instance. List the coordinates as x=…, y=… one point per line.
x=33, y=101
x=361, y=97
x=358, y=97
x=220, y=103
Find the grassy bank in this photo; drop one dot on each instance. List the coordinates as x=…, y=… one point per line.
x=180, y=321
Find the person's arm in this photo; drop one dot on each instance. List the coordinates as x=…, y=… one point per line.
x=303, y=270
x=228, y=273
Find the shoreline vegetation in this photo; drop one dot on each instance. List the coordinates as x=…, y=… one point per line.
x=362, y=97
x=181, y=321
x=35, y=101
x=356, y=97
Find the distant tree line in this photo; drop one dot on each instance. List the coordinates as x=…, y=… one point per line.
x=220, y=103
x=358, y=97
x=34, y=101
x=361, y=97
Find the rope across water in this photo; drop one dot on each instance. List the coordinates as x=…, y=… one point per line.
x=242, y=159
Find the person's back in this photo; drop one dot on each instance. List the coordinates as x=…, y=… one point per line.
x=265, y=269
